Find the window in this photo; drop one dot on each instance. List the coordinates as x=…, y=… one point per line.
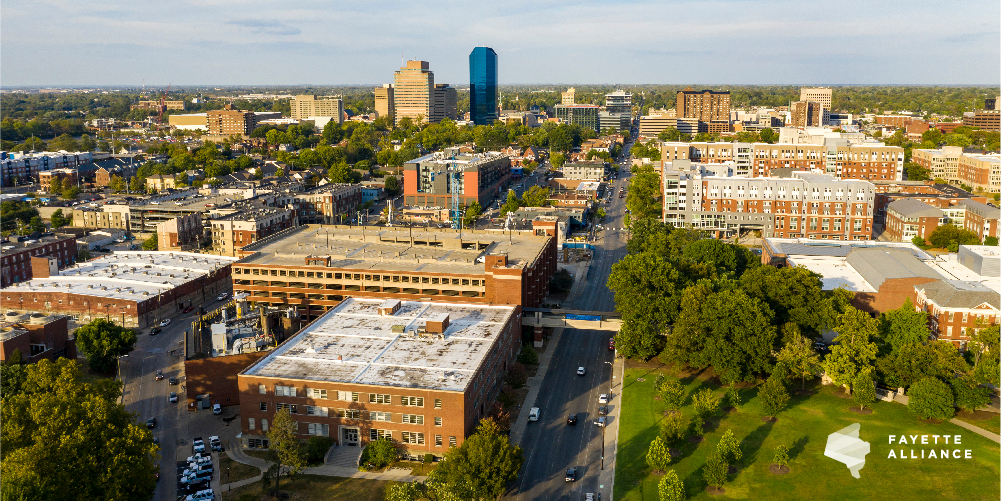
x=412, y=401
x=316, y=411
x=413, y=419
x=292, y=408
x=381, y=416
x=437, y=403
x=378, y=398
x=264, y=425
x=349, y=413
x=437, y=421
x=264, y=406
x=413, y=438
x=374, y=434
x=318, y=429
x=251, y=423
x=285, y=391
x=348, y=396
x=451, y=441
x=316, y=393
x=437, y=440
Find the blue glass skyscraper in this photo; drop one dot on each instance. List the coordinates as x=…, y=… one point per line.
x=483, y=86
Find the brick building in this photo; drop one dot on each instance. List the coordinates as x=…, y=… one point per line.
x=426, y=180
x=18, y=257
x=980, y=172
x=955, y=308
x=179, y=233
x=705, y=105
x=233, y=231
x=67, y=177
x=35, y=336
x=230, y=122
x=908, y=218
x=983, y=119
x=420, y=373
x=328, y=203
x=806, y=114
x=981, y=218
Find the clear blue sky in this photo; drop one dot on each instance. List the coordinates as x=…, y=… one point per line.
x=262, y=42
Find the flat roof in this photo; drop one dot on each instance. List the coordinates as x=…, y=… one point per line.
x=127, y=275
x=948, y=266
x=12, y=245
x=352, y=343
x=381, y=248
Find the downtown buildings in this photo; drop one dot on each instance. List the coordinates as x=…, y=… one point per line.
x=415, y=95
x=483, y=105
x=428, y=180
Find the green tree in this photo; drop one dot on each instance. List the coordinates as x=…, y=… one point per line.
x=87, y=143
x=70, y=193
x=915, y=172
x=930, y=398
x=714, y=472
x=137, y=184
x=984, y=348
x=58, y=220
x=673, y=427
x=14, y=214
x=864, y=389
x=949, y=234
x=781, y=456
x=382, y=452
x=648, y=294
x=536, y=196
x=151, y=243
x=644, y=198
x=557, y=159
x=60, y=431
x=768, y=136
x=117, y=184
x=316, y=449
x=773, y=395
x=103, y=341
x=912, y=362
x=799, y=359
x=705, y=402
x=728, y=448
x=482, y=466
x=968, y=394
x=919, y=242
x=732, y=396
x=55, y=185
x=671, y=488
x=601, y=213
x=658, y=457
x=392, y=186
x=511, y=204
x=473, y=213
x=854, y=351
x=672, y=393
x=795, y=294
x=284, y=446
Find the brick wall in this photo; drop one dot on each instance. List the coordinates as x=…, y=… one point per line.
x=891, y=295
x=217, y=376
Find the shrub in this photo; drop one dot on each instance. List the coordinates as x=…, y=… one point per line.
x=931, y=398
x=732, y=396
x=672, y=394
x=714, y=472
x=516, y=377
x=658, y=456
x=380, y=453
x=773, y=395
x=781, y=455
x=527, y=355
x=316, y=449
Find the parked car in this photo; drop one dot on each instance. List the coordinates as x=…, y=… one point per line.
x=154, y=331
x=572, y=420
x=215, y=443
x=611, y=344
x=603, y=398
x=189, y=309
x=603, y=410
x=533, y=414
x=173, y=397
x=165, y=322
x=198, y=445
x=222, y=296
x=216, y=409
x=151, y=422
x=601, y=421
x=172, y=380
x=572, y=474
x=205, y=495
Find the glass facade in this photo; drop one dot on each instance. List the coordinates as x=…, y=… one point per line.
x=483, y=86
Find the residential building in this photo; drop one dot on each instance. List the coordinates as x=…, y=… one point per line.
x=384, y=102
x=906, y=219
x=160, y=182
x=422, y=374
x=22, y=256
x=569, y=97
x=135, y=289
x=808, y=205
x=445, y=103
x=820, y=95
x=156, y=106
x=483, y=103
x=584, y=115
x=328, y=204
x=426, y=180
x=619, y=102
x=942, y=163
x=310, y=107
x=67, y=177
x=983, y=119
x=35, y=336
x=250, y=224
x=117, y=217
x=957, y=309
x=413, y=92
x=18, y=169
x=980, y=172
x=190, y=121
x=943, y=196
x=230, y=122
x=705, y=105
x=620, y=121
x=806, y=114
x=981, y=218
x=593, y=171
x=334, y=262
x=180, y=233
x=656, y=122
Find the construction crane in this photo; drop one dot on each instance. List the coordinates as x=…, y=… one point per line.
x=163, y=105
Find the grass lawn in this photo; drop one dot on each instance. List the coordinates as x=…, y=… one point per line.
x=237, y=471
x=317, y=488
x=803, y=427
x=992, y=423
x=257, y=454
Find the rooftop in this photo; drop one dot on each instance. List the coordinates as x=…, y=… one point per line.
x=427, y=250
x=960, y=294
x=914, y=208
x=128, y=275
x=353, y=343
x=12, y=244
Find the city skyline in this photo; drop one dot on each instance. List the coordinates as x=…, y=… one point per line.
x=748, y=43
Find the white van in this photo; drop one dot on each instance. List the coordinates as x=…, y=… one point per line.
x=533, y=414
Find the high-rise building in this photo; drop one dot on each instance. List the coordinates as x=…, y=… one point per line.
x=619, y=102
x=820, y=95
x=445, y=103
x=308, y=105
x=569, y=96
x=384, y=105
x=992, y=103
x=483, y=86
x=228, y=122
x=413, y=92
x=584, y=115
x=705, y=105
x=806, y=114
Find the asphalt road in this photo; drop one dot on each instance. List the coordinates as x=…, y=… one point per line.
x=551, y=446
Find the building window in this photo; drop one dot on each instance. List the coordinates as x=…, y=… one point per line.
x=292, y=408
x=318, y=429
x=413, y=419
x=316, y=411
x=437, y=421
x=437, y=440
x=264, y=407
x=349, y=413
x=374, y=434
x=412, y=401
x=378, y=398
x=317, y=393
x=413, y=438
x=264, y=425
x=451, y=441
x=284, y=391
x=348, y=396
x=437, y=403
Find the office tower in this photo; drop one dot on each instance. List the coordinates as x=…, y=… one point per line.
x=619, y=102
x=705, y=105
x=228, y=122
x=483, y=86
x=569, y=96
x=384, y=105
x=413, y=92
x=308, y=105
x=820, y=95
x=806, y=114
x=445, y=103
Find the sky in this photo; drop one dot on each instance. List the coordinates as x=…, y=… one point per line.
x=342, y=42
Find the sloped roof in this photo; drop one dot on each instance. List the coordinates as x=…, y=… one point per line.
x=959, y=294
x=914, y=208
x=878, y=264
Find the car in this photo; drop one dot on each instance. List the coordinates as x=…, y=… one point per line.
x=603, y=410
x=198, y=445
x=222, y=296
x=572, y=474
x=154, y=331
x=603, y=398
x=199, y=459
x=204, y=495
x=580, y=371
x=165, y=322
x=611, y=344
x=216, y=409
x=215, y=443
x=172, y=380
x=173, y=397
x=159, y=374
x=601, y=421
x=572, y=420
x=533, y=414
x=196, y=477
x=151, y=422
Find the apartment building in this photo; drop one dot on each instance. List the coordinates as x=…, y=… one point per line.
x=619, y=101
x=983, y=119
x=806, y=114
x=306, y=106
x=980, y=218
x=116, y=217
x=906, y=219
x=21, y=258
x=413, y=92
x=249, y=225
x=35, y=336
x=180, y=233
x=586, y=171
x=159, y=182
x=705, y=105
x=17, y=169
x=956, y=309
x=821, y=95
x=384, y=104
x=584, y=115
x=943, y=196
x=740, y=155
x=230, y=122
x=422, y=374
x=942, y=163
x=980, y=172
x=426, y=180
x=157, y=107
x=328, y=204
x=805, y=205
x=66, y=177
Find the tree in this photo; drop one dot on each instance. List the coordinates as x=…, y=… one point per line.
x=938, y=359
x=557, y=159
x=60, y=431
x=673, y=427
x=70, y=193
x=382, y=452
x=536, y=196
x=773, y=395
x=392, y=186
x=482, y=466
x=915, y=172
x=284, y=446
x=648, y=293
x=781, y=456
x=658, y=456
x=562, y=281
x=799, y=359
x=984, y=348
x=316, y=448
x=137, y=184
x=672, y=393
x=671, y=488
x=903, y=326
x=949, y=234
x=117, y=184
x=714, y=472
x=705, y=402
x=644, y=198
x=732, y=395
x=930, y=398
x=601, y=213
x=864, y=389
x=511, y=204
x=55, y=184
x=795, y=294
x=103, y=341
x=151, y=243
x=768, y=136
x=855, y=351
x=728, y=448
x=968, y=394
x=58, y=220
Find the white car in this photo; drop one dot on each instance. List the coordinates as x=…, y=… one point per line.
x=533, y=414
x=216, y=409
x=206, y=495
x=580, y=371
x=603, y=398
x=222, y=296
x=165, y=322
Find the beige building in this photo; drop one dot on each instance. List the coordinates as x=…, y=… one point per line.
x=705, y=105
x=942, y=164
x=180, y=233
x=569, y=96
x=159, y=182
x=308, y=106
x=806, y=114
x=229, y=122
x=233, y=231
x=112, y=216
x=384, y=105
x=155, y=105
x=820, y=95
x=980, y=172
x=413, y=92
x=445, y=103
x=191, y=121
x=653, y=124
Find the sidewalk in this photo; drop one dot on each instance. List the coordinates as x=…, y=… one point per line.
x=606, y=477
x=534, y=385
x=976, y=429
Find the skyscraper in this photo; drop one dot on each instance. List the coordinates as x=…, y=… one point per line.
x=413, y=92
x=483, y=86
x=384, y=104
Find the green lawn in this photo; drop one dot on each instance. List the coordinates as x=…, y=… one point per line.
x=317, y=488
x=992, y=424
x=803, y=427
x=233, y=471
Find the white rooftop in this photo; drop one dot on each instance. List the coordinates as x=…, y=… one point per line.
x=352, y=343
x=950, y=268
x=128, y=275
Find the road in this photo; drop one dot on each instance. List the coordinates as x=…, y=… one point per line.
x=147, y=397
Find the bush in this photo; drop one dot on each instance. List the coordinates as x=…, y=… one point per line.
x=672, y=394
x=380, y=453
x=781, y=455
x=931, y=398
x=528, y=355
x=316, y=449
x=991, y=241
x=949, y=234
x=773, y=395
x=714, y=472
x=657, y=456
x=562, y=282
x=516, y=377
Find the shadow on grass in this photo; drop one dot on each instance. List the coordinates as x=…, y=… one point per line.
x=798, y=446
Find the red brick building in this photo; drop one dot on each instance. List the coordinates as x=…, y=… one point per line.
x=954, y=308
x=906, y=219
x=16, y=261
x=981, y=218
x=179, y=233
x=233, y=231
x=328, y=204
x=36, y=336
x=426, y=180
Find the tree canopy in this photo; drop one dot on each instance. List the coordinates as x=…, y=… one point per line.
x=103, y=341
